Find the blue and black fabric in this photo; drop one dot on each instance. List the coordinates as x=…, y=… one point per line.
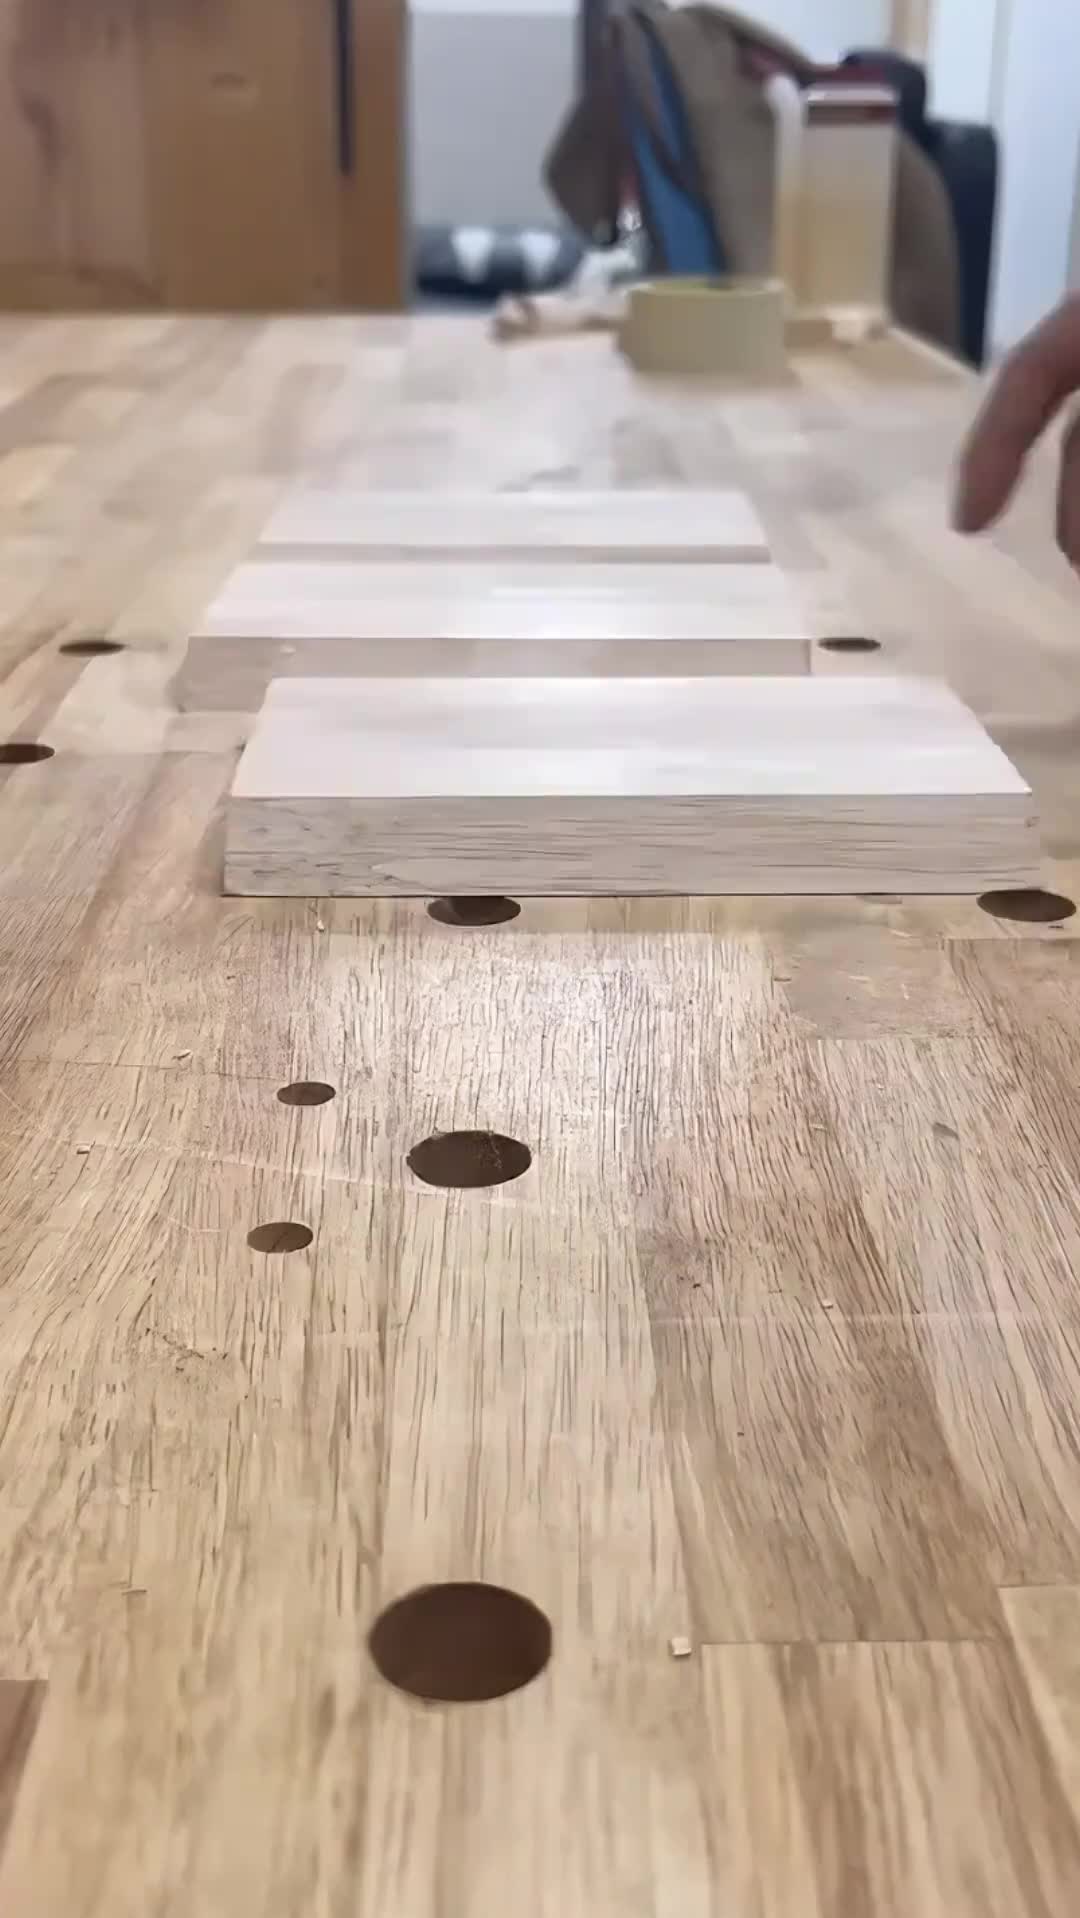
x=479, y=264
x=682, y=235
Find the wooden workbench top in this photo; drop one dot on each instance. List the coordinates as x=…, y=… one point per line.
x=772, y=1354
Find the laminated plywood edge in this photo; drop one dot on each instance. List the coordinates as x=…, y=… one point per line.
x=548, y=786
x=371, y=848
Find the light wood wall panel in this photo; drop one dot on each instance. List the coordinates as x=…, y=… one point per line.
x=191, y=153
x=74, y=225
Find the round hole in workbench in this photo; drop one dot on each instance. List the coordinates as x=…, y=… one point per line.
x=473, y=912
x=1030, y=904
x=306, y=1092
x=457, y=1644
x=281, y=1235
x=23, y=752
x=469, y=1159
x=850, y=643
x=91, y=648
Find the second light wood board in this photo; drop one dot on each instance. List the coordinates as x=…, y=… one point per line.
x=677, y=524
x=281, y=618
x=369, y=787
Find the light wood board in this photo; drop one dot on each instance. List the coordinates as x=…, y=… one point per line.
x=540, y=786
x=284, y=619
x=677, y=524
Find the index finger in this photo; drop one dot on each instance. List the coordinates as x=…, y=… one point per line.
x=1033, y=384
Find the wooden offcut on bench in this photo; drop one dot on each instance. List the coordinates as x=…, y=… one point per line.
x=279, y=617
x=679, y=524
x=352, y=582
x=362, y=787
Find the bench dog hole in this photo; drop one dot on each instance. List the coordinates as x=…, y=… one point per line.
x=850, y=643
x=458, y=1644
x=23, y=752
x=306, y=1092
x=473, y=912
x=469, y=1159
x=281, y=1235
x=1029, y=904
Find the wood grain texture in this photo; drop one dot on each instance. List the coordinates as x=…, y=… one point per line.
x=775, y=1348
x=1043, y=1620
x=280, y=618
x=356, y=787
x=879, y=1766
x=243, y=92
x=20, y=1708
x=372, y=208
x=74, y=213
x=188, y=155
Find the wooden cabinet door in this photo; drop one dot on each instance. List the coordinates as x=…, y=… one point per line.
x=202, y=153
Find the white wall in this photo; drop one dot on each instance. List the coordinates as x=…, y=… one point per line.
x=1016, y=63
x=962, y=42
x=824, y=29
x=1039, y=123
x=492, y=79
x=490, y=82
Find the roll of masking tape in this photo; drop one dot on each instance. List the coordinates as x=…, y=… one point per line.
x=731, y=328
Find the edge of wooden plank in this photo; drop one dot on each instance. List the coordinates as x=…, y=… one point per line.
x=678, y=846
x=234, y=675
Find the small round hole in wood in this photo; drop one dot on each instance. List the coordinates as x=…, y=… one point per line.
x=306, y=1092
x=459, y=1644
x=850, y=643
x=473, y=912
x=23, y=752
x=469, y=1159
x=281, y=1235
x=1028, y=904
x=92, y=648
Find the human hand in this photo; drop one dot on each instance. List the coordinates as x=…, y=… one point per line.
x=1031, y=388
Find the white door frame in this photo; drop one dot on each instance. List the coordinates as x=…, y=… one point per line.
x=910, y=27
